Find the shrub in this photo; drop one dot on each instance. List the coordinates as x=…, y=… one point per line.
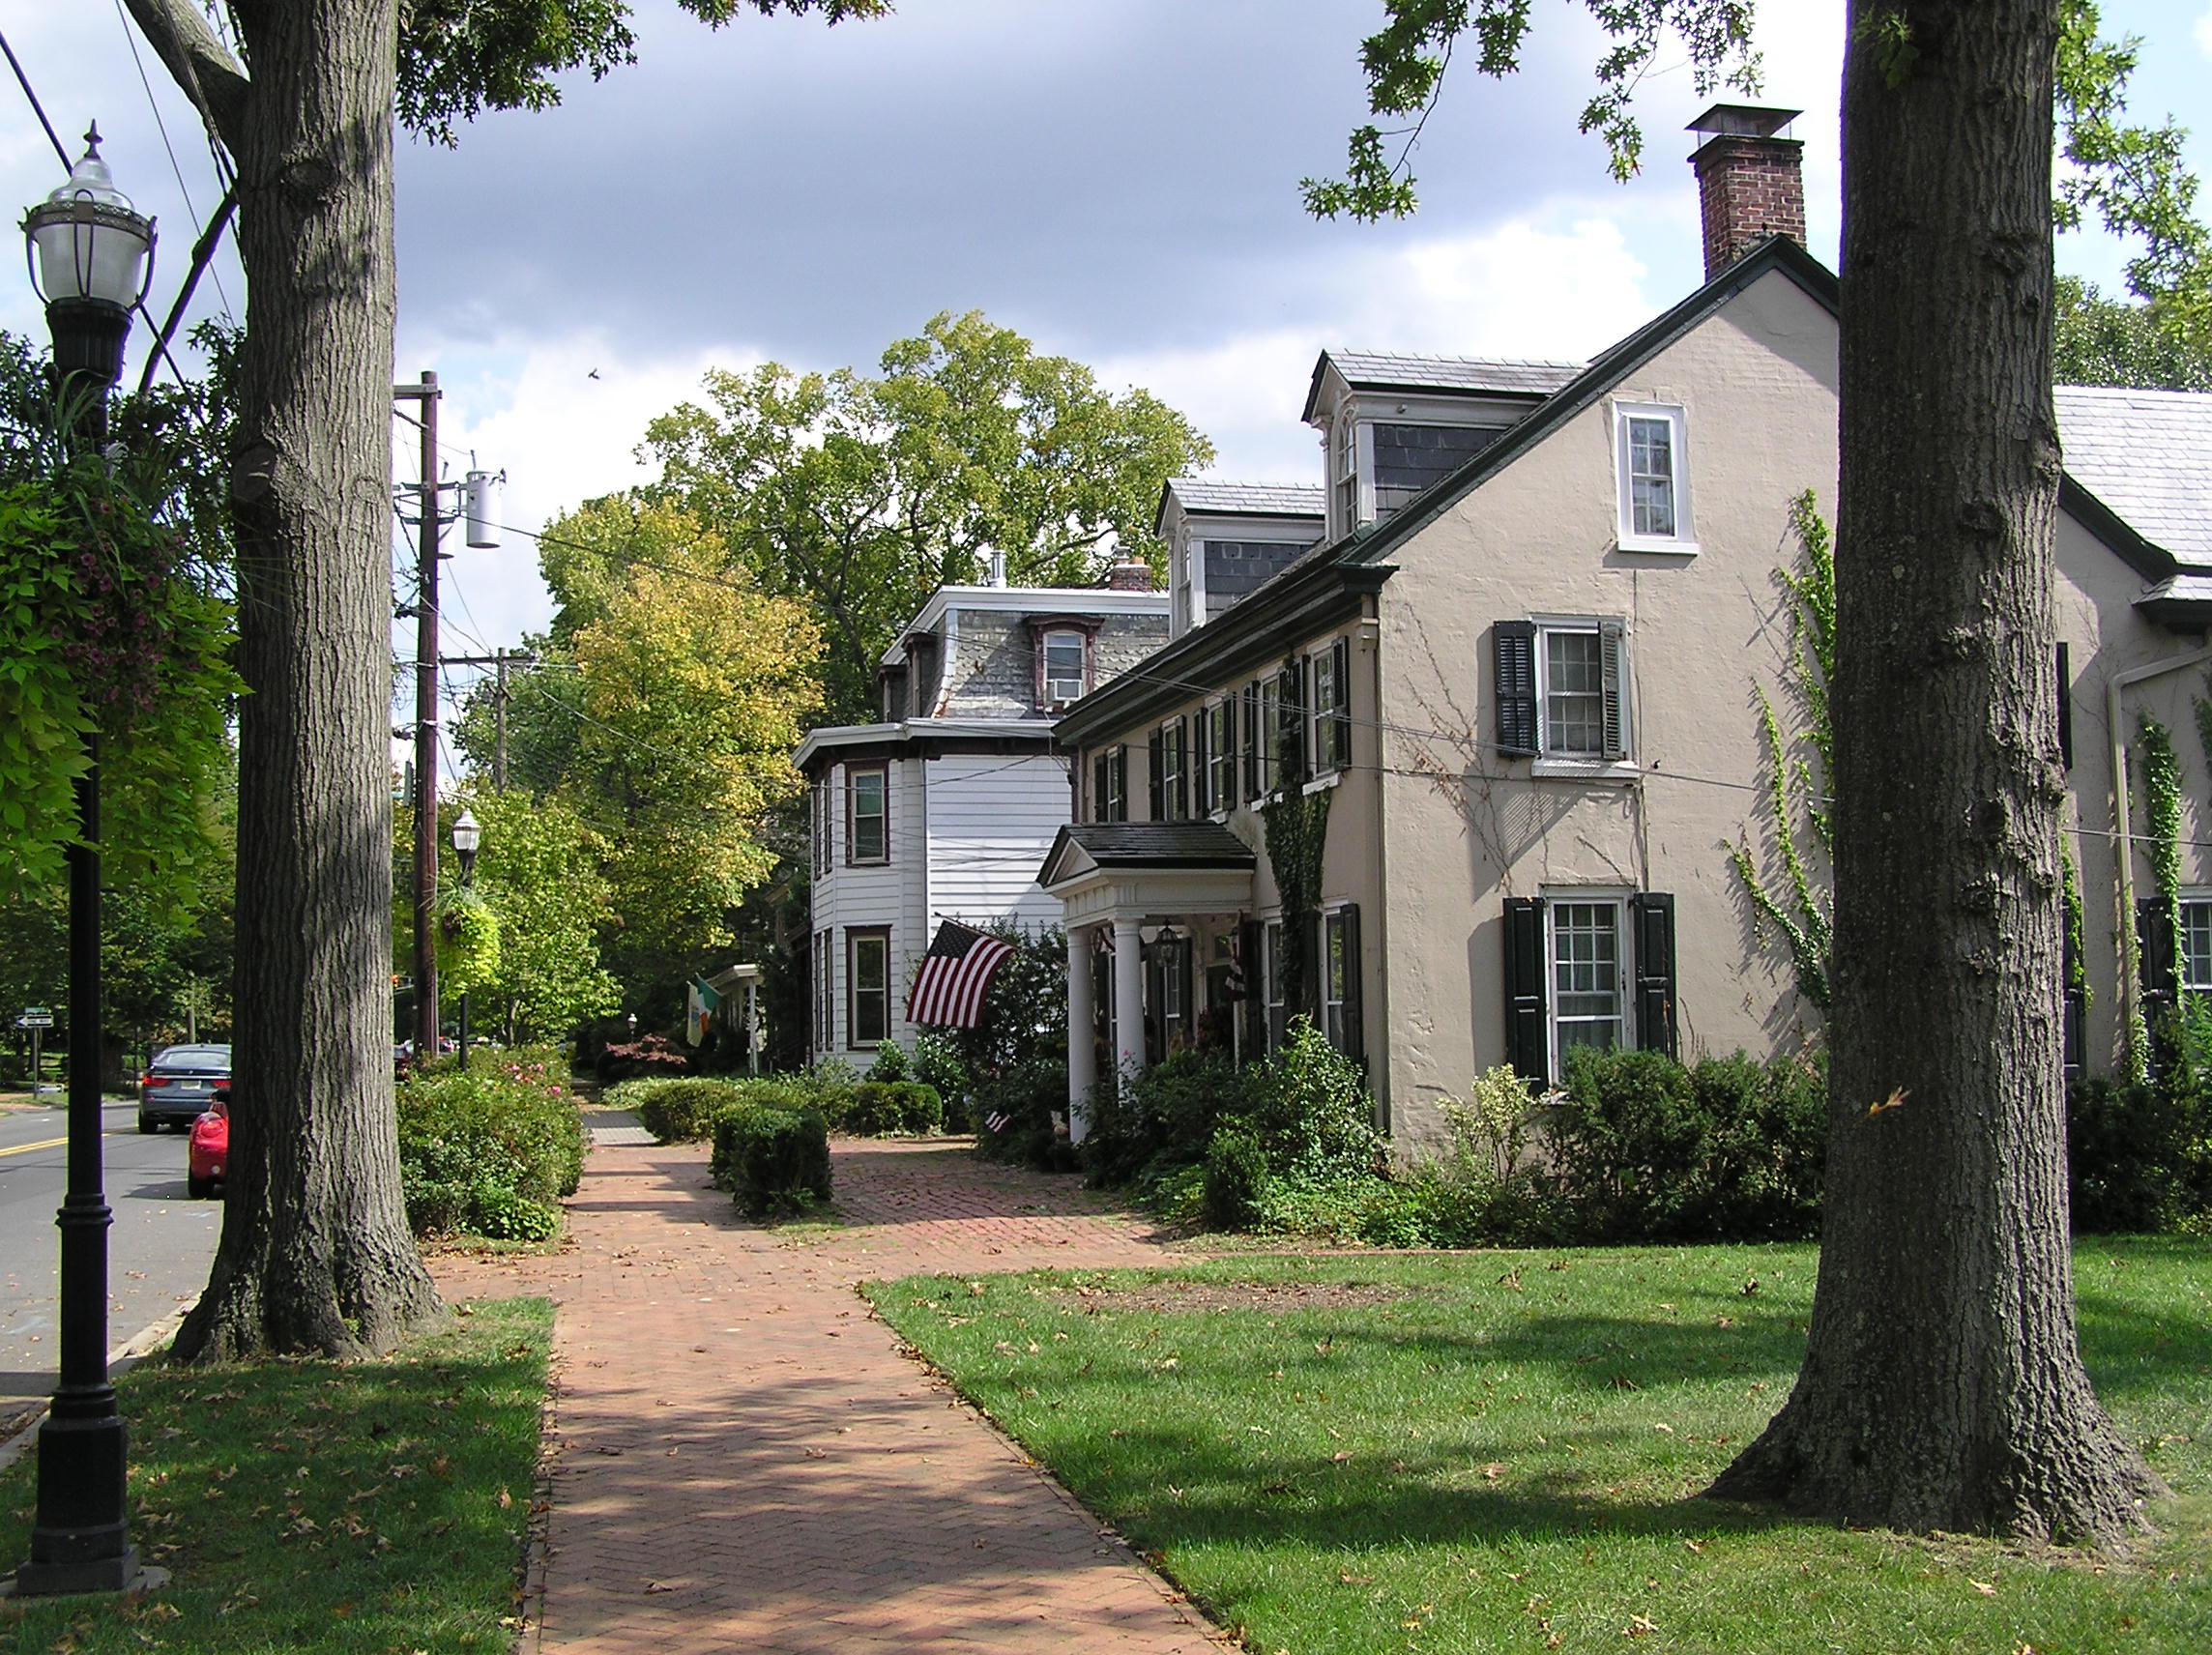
x=1310, y=1107
x=2136, y=1155
x=1161, y=1118
x=1640, y=1149
x=938, y=1063
x=489, y=1153
x=890, y=1063
x=881, y=1108
x=1236, y=1181
x=649, y=1054
x=675, y=1110
x=1025, y=1097
x=771, y=1160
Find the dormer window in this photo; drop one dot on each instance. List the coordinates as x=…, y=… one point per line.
x=1343, y=479
x=1066, y=661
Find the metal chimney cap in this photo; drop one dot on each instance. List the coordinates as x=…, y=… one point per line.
x=1741, y=120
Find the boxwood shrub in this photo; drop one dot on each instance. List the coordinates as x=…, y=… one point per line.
x=893, y=1109
x=675, y=1110
x=489, y=1153
x=771, y=1160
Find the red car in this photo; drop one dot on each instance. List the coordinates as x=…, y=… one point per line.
x=208, y=1156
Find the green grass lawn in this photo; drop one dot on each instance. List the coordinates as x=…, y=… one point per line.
x=318, y=1506
x=1482, y=1452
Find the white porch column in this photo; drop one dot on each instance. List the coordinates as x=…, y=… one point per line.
x=1082, y=1057
x=1129, y=997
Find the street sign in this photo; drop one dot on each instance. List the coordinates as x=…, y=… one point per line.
x=35, y=1017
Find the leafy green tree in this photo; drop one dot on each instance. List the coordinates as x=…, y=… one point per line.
x=315, y=1254
x=1943, y=1385
x=540, y=869
x=663, y=714
x=862, y=494
x=2109, y=341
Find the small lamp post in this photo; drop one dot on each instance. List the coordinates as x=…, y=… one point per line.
x=91, y=259
x=467, y=836
x=633, y=1028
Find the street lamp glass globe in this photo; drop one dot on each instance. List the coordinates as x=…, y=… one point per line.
x=467, y=836
x=86, y=240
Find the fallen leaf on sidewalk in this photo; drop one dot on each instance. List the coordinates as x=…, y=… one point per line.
x=657, y=1586
x=817, y=1454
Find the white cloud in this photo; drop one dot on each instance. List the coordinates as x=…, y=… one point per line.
x=1562, y=288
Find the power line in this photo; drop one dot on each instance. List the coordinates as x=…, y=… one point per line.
x=36, y=109
x=131, y=38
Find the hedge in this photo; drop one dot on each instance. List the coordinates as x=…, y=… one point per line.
x=771, y=1159
x=489, y=1154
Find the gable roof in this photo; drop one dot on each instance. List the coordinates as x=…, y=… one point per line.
x=1082, y=846
x=1393, y=370
x=2148, y=455
x=1247, y=499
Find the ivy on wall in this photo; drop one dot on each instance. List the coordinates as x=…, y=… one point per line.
x=1798, y=904
x=2161, y=789
x=1295, y=824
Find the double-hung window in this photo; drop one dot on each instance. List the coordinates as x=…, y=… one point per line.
x=1347, y=473
x=1171, y=772
x=1330, y=741
x=1587, y=1005
x=868, y=977
x=825, y=992
x=1109, y=785
x=1651, y=461
x=1221, y=752
x=2192, y=950
x=1561, y=688
x=1339, y=967
x=1064, y=664
x=867, y=819
x=1272, y=961
x=1202, y=764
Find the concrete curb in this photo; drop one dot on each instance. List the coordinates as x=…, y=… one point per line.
x=120, y=1360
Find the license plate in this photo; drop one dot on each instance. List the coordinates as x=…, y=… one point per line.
x=189, y=1085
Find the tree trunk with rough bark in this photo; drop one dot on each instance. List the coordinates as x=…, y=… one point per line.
x=316, y=1256
x=1942, y=1386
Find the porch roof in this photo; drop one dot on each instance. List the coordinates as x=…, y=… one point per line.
x=1120, y=870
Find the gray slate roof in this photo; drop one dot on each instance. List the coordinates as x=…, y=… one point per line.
x=2148, y=455
x=1158, y=843
x=1250, y=499
x=1394, y=371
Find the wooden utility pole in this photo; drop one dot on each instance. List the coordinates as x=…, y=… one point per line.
x=498, y=661
x=425, y=395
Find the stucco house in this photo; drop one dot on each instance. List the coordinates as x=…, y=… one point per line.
x=1461, y=781
x=944, y=807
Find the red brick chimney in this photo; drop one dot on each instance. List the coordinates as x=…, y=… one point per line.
x=1749, y=185
x=1129, y=574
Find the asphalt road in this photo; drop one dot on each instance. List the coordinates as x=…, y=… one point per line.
x=158, y=1250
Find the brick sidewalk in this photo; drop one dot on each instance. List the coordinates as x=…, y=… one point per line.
x=742, y=1458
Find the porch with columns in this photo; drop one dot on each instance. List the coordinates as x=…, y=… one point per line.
x=1123, y=877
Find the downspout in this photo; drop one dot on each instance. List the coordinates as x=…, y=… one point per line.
x=2123, y=836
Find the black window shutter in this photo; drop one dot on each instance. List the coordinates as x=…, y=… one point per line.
x=1527, y=1041
x=1316, y=972
x=1656, y=1028
x=2065, y=708
x=2154, y=932
x=1182, y=790
x=1612, y=643
x=1159, y=814
x=1251, y=970
x=1514, y=645
x=1289, y=737
x=1355, y=1029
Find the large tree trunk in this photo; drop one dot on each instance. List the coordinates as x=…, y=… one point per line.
x=315, y=1254
x=1942, y=1386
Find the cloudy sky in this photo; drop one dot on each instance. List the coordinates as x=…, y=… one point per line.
x=1117, y=179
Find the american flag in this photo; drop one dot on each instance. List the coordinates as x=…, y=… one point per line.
x=948, y=991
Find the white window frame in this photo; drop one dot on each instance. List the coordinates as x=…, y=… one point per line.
x=825, y=992
x=1552, y=758
x=1684, y=541
x=1348, y=449
x=1223, y=754
x=1556, y=903
x=1053, y=685
x=857, y=938
x=1325, y=718
x=1334, y=993
x=1275, y=1017
x=2193, y=967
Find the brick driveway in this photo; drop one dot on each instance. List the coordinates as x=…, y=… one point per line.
x=742, y=1458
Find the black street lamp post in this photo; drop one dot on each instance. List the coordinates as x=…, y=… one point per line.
x=467, y=836
x=92, y=255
